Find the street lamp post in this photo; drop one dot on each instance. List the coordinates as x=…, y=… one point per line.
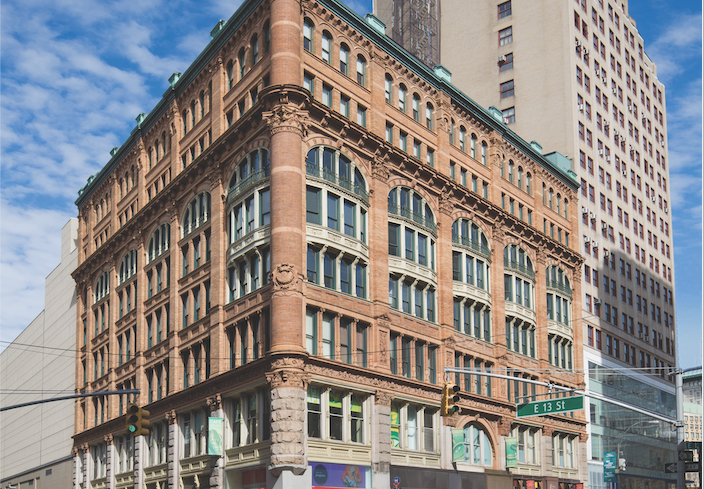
x=622, y=461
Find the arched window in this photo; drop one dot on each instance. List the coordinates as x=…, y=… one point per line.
x=267, y=37
x=308, y=35
x=344, y=59
x=159, y=241
x=558, y=201
x=429, y=116
x=163, y=144
x=510, y=171
x=402, y=98
x=520, y=177
x=470, y=269
x=254, y=46
x=230, y=78
x=102, y=287
x=197, y=213
x=528, y=183
x=361, y=70
x=150, y=156
x=463, y=137
x=473, y=147
x=388, y=83
x=336, y=205
x=242, y=62
x=416, y=107
x=452, y=131
x=128, y=266
x=545, y=194
x=193, y=113
x=326, y=47
x=565, y=208
x=519, y=291
x=477, y=447
x=485, y=149
x=550, y=195
x=412, y=234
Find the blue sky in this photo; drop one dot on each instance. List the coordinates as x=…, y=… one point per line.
x=75, y=74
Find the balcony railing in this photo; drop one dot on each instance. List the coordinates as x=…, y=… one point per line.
x=519, y=267
x=346, y=183
x=553, y=284
x=472, y=244
x=426, y=222
x=251, y=179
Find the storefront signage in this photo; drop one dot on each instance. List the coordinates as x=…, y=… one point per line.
x=551, y=406
x=215, y=436
x=610, y=466
x=340, y=476
x=511, y=452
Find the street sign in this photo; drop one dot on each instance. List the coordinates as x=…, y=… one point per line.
x=691, y=466
x=694, y=445
x=686, y=456
x=671, y=468
x=551, y=406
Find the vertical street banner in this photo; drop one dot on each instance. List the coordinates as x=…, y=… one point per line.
x=511, y=452
x=215, y=436
x=458, y=445
x=610, y=461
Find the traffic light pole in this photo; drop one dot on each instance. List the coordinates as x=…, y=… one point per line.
x=679, y=395
x=75, y=396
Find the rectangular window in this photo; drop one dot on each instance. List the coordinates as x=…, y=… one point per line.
x=327, y=95
x=313, y=205
x=506, y=89
x=362, y=116
x=506, y=63
x=505, y=36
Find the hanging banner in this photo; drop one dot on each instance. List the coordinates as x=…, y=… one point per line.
x=610, y=467
x=511, y=452
x=215, y=436
x=458, y=445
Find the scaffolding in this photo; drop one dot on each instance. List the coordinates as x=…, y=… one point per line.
x=415, y=26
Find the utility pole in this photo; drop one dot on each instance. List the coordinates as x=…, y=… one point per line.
x=679, y=396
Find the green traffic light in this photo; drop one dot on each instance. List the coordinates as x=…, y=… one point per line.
x=132, y=428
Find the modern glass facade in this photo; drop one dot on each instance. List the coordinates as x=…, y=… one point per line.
x=644, y=445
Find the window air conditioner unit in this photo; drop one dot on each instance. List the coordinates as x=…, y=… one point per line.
x=601, y=152
x=502, y=58
x=595, y=244
x=624, y=173
x=580, y=107
x=603, y=80
x=608, y=159
x=666, y=210
x=587, y=239
x=653, y=198
x=616, y=133
x=584, y=210
x=577, y=42
x=592, y=216
x=606, y=123
x=623, y=139
x=647, y=339
x=505, y=120
x=586, y=51
x=607, y=252
x=631, y=148
x=597, y=301
x=614, y=91
x=643, y=118
x=604, y=225
x=630, y=108
x=596, y=71
x=640, y=335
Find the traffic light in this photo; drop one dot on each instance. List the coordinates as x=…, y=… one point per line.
x=450, y=398
x=135, y=421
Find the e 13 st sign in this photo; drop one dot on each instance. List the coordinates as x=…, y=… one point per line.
x=551, y=406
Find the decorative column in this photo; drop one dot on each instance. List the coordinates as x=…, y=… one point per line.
x=110, y=462
x=139, y=444
x=77, y=468
x=381, y=440
x=443, y=259
x=173, y=455
x=86, y=465
x=217, y=464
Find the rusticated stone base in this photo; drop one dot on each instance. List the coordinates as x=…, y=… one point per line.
x=288, y=450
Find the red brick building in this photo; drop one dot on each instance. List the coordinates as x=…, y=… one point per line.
x=300, y=236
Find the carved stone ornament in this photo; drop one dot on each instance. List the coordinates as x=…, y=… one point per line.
x=446, y=206
x=285, y=277
x=505, y=426
x=548, y=430
x=108, y=439
x=380, y=168
x=74, y=451
x=286, y=117
x=583, y=437
x=85, y=447
x=451, y=421
x=214, y=402
x=383, y=398
x=287, y=362
x=382, y=347
x=288, y=378
x=171, y=417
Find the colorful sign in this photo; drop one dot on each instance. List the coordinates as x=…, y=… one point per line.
x=215, y=436
x=458, y=445
x=511, y=452
x=610, y=462
x=340, y=476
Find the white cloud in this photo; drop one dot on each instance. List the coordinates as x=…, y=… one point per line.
x=679, y=41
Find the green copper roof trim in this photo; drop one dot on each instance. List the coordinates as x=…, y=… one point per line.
x=367, y=30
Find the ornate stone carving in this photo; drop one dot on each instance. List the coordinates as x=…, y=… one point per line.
x=108, y=439
x=287, y=362
x=382, y=347
x=548, y=430
x=380, y=168
x=383, y=398
x=504, y=426
x=287, y=117
x=214, y=402
x=452, y=421
x=285, y=277
x=288, y=378
x=583, y=437
x=171, y=417
x=446, y=205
